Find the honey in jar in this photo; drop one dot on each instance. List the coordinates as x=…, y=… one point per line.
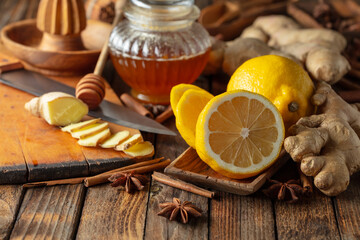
x=158, y=46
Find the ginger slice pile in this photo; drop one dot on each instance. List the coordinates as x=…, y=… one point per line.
x=328, y=144
x=93, y=134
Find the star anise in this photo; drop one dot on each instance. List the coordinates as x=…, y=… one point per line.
x=172, y=209
x=130, y=181
x=289, y=191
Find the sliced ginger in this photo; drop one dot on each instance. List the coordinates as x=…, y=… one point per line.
x=115, y=139
x=141, y=149
x=76, y=126
x=89, y=130
x=129, y=142
x=94, y=140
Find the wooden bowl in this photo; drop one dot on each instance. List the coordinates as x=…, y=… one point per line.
x=23, y=39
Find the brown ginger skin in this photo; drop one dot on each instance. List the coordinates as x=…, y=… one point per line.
x=327, y=144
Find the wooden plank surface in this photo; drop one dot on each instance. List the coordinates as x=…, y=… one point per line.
x=111, y=213
x=160, y=228
x=10, y=200
x=241, y=217
x=13, y=164
x=309, y=219
x=49, y=212
x=347, y=208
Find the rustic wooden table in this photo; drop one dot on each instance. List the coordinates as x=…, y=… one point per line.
x=103, y=212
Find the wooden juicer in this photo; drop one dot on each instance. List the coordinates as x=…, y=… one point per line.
x=60, y=41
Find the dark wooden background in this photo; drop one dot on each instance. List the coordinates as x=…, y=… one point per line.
x=103, y=212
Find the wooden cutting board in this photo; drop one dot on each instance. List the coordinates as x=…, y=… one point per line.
x=32, y=150
x=189, y=167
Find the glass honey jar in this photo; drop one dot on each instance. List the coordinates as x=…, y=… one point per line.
x=157, y=46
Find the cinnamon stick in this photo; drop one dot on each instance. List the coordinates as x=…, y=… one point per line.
x=54, y=182
x=350, y=96
x=182, y=185
x=346, y=83
x=134, y=105
x=103, y=177
x=305, y=181
x=165, y=115
x=81, y=179
x=136, y=165
x=302, y=17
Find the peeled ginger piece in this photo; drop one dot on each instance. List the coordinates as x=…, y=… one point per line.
x=57, y=108
x=141, y=149
x=115, y=139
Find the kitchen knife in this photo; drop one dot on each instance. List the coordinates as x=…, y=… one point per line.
x=38, y=84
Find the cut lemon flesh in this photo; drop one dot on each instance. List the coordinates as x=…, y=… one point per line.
x=187, y=111
x=177, y=92
x=239, y=134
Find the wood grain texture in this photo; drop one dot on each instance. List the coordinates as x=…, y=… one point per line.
x=47, y=149
x=49, y=213
x=239, y=217
x=309, y=219
x=10, y=200
x=12, y=163
x=111, y=213
x=189, y=167
x=159, y=228
x=347, y=208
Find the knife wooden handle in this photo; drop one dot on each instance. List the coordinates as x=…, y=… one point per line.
x=9, y=63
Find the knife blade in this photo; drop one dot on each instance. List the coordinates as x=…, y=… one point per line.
x=37, y=84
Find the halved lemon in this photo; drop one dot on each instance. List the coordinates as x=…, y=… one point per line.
x=239, y=134
x=187, y=111
x=177, y=92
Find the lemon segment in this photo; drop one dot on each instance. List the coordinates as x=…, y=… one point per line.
x=187, y=111
x=177, y=92
x=239, y=134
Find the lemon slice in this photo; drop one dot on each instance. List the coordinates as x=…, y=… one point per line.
x=239, y=134
x=177, y=92
x=187, y=111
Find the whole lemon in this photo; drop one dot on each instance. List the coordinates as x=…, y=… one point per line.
x=281, y=80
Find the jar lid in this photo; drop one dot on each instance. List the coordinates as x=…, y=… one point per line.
x=162, y=13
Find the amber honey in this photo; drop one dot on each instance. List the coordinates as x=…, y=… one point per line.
x=151, y=80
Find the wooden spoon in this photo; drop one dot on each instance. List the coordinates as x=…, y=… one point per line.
x=91, y=88
x=217, y=14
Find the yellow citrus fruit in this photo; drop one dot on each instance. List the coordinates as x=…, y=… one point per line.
x=177, y=92
x=187, y=111
x=284, y=82
x=239, y=134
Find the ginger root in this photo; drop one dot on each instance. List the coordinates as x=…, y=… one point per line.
x=57, y=108
x=317, y=50
x=327, y=145
x=243, y=49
